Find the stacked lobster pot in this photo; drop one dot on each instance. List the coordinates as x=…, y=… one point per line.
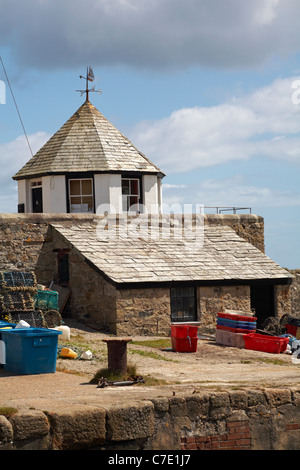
x=17, y=298
x=232, y=326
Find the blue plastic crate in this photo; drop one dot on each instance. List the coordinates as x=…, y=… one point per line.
x=236, y=324
x=30, y=350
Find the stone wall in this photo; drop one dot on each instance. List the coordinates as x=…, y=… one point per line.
x=214, y=299
x=143, y=312
x=250, y=227
x=283, y=300
x=245, y=419
x=29, y=243
x=295, y=293
x=23, y=235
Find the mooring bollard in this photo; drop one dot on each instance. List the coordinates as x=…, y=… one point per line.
x=117, y=354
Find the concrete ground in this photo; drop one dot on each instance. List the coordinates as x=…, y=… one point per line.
x=212, y=366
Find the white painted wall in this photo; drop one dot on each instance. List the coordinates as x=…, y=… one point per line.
x=108, y=193
x=151, y=194
x=107, y=188
x=54, y=194
x=23, y=194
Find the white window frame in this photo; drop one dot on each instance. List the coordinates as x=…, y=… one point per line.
x=125, y=197
x=80, y=210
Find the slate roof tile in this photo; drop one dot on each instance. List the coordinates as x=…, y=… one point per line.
x=223, y=255
x=87, y=142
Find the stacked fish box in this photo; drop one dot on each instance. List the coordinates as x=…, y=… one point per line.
x=232, y=326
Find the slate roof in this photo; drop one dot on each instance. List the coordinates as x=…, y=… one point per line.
x=87, y=142
x=220, y=255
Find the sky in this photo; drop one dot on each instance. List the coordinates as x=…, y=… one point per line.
x=208, y=90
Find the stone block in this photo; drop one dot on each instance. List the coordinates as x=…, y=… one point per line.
x=79, y=427
x=29, y=424
x=129, y=422
x=278, y=397
x=6, y=430
x=197, y=406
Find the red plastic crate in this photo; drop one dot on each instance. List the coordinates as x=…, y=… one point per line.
x=270, y=344
x=184, y=337
x=184, y=344
x=233, y=316
x=183, y=331
x=293, y=330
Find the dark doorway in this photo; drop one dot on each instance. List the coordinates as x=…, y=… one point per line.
x=63, y=268
x=262, y=302
x=37, y=200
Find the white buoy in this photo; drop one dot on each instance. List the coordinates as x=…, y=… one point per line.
x=65, y=332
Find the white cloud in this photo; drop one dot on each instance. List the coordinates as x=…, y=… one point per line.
x=152, y=33
x=264, y=123
x=13, y=155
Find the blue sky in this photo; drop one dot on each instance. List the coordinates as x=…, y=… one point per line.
x=203, y=88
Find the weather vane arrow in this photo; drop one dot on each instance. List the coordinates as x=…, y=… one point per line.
x=89, y=78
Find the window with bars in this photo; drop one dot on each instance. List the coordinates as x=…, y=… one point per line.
x=183, y=304
x=81, y=197
x=130, y=194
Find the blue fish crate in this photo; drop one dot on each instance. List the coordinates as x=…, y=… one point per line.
x=30, y=350
x=236, y=324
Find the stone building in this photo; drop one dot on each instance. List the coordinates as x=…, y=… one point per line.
x=90, y=220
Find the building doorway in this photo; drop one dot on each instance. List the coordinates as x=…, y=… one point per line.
x=262, y=303
x=37, y=199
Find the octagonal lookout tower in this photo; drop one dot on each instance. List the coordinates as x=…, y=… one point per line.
x=89, y=166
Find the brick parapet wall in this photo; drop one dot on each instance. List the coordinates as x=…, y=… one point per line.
x=250, y=419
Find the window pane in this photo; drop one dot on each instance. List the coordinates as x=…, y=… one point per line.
x=125, y=186
x=183, y=306
x=124, y=203
x=75, y=200
x=134, y=187
x=74, y=187
x=134, y=203
x=87, y=204
x=86, y=187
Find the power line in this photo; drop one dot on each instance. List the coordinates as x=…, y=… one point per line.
x=16, y=106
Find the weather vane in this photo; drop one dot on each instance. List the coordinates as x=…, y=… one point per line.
x=89, y=78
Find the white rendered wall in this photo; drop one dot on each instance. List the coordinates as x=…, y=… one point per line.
x=23, y=194
x=151, y=194
x=108, y=193
x=54, y=194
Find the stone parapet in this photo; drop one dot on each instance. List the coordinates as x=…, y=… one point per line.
x=245, y=419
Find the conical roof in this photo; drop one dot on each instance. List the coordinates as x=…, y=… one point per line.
x=87, y=142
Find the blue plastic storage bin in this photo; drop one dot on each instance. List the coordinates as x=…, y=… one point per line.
x=30, y=350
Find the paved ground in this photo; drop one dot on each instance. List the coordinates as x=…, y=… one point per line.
x=212, y=366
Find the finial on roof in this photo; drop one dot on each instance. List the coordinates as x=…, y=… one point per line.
x=89, y=78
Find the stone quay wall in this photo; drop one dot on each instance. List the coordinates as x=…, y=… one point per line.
x=246, y=419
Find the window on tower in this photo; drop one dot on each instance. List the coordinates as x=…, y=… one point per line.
x=131, y=194
x=81, y=197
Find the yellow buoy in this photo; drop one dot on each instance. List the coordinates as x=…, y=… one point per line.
x=66, y=352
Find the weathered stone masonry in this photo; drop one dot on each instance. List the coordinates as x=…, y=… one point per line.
x=250, y=419
x=30, y=243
